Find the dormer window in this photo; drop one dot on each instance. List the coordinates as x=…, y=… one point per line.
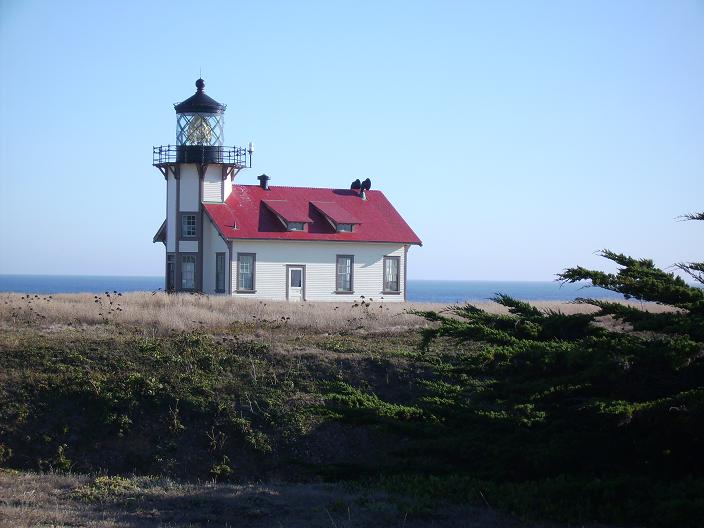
x=341, y=220
x=292, y=216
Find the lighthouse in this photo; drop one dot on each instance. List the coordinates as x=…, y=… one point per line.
x=198, y=170
x=276, y=242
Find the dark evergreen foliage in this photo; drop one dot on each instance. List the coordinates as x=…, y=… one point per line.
x=565, y=416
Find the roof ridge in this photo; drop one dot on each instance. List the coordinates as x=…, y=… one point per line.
x=303, y=187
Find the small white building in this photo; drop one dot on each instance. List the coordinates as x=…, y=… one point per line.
x=268, y=242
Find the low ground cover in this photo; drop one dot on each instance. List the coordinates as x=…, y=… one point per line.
x=541, y=415
x=64, y=499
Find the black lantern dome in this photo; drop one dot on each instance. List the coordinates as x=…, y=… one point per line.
x=199, y=102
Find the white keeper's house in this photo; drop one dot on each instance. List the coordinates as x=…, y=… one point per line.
x=270, y=242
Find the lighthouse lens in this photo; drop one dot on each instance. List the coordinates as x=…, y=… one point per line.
x=199, y=129
x=199, y=132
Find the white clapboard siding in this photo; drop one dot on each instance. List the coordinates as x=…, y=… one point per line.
x=213, y=184
x=189, y=188
x=319, y=259
x=212, y=244
x=171, y=213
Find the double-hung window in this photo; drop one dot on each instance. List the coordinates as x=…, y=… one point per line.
x=220, y=272
x=245, y=272
x=344, y=267
x=188, y=272
x=188, y=225
x=391, y=275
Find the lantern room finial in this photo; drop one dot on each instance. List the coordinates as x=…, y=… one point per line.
x=200, y=84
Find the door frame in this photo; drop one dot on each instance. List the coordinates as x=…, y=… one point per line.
x=303, y=278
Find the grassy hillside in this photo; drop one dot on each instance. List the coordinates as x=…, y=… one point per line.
x=355, y=394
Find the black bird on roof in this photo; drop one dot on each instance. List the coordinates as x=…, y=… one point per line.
x=366, y=184
x=356, y=184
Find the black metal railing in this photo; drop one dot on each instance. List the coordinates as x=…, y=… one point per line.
x=166, y=154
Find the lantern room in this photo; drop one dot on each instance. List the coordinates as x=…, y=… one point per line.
x=200, y=125
x=200, y=119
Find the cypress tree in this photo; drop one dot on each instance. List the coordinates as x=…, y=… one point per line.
x=595, y=416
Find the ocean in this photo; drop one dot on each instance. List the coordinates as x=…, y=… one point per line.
x=439, y=291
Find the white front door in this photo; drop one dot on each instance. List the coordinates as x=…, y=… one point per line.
x=295, y=283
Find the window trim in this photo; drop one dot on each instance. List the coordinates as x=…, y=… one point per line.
x=194, y=256
x=182, y=234
x=385, y=291
x=290, y=228
x=337, y=260
x=254, y=273
x=220, y=254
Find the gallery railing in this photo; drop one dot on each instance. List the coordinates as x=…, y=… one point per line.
x=166, y=154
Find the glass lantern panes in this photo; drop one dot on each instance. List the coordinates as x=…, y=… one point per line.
x=200, y=129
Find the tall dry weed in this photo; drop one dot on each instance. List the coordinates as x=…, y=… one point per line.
x=161, y=313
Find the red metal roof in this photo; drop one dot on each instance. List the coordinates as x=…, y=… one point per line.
x=289, y=211
x=244, y=216
x=336, y=213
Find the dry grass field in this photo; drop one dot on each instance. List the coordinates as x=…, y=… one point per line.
x=160, y=313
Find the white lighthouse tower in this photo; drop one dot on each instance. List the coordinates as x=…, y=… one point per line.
x=198, y=169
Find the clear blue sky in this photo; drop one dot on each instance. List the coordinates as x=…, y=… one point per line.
x=516, y=138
